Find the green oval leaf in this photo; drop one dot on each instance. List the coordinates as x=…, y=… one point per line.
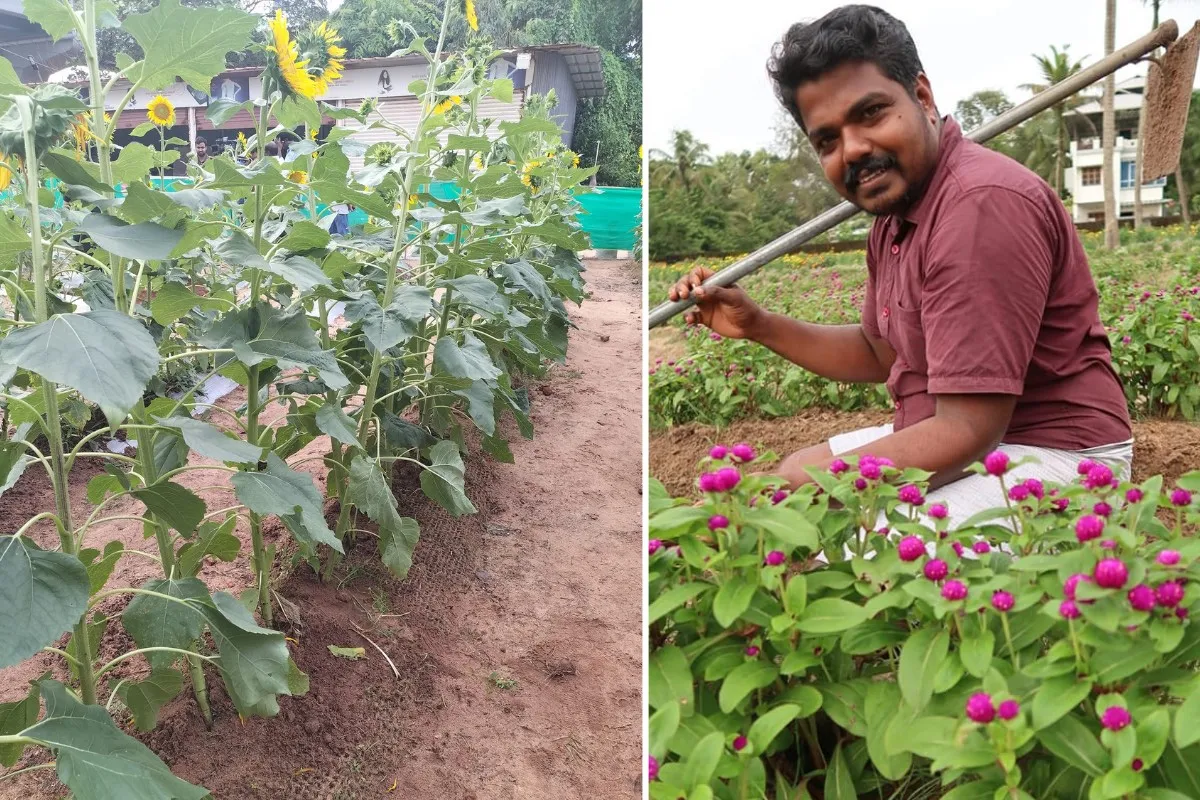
x=830, y=615
x=743, y=680
x=764, y=729
x=1056, y=697
x=920, y=659
x=43, y=595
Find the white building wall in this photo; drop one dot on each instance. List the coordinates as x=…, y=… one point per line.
x=1089, y=199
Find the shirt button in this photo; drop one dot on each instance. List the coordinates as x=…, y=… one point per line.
x=885, y=312
x=895, y=249
x=898, y=405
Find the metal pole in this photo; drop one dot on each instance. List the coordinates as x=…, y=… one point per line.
x=1161, y=36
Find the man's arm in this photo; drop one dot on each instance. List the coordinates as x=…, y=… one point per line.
x=844, y=353
x=962, y=431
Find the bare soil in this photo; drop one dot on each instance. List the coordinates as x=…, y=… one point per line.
x=516, y=639
x=1161, y=447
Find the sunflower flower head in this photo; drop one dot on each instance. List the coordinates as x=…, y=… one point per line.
x=306, y=65
x=528, y=178
x=82, y=133
x=574, y=159
x=161, y=112
x=242, y=143
x=298, y=176
x=447, y=104
x=472, y=17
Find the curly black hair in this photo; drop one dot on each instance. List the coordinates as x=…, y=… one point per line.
x=851, y=33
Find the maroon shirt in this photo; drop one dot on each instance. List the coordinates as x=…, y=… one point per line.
x=982, y=286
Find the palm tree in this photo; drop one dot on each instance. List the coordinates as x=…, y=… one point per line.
x=1108, y=117
x=686, y=155
x=1055, y=68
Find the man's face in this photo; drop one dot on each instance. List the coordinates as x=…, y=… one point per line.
x=201, y=149
x=876, y=144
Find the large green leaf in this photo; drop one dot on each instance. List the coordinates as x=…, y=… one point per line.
x=480, y=399
x=304, y=236
x=134, y=163
x=336, y=424
x=213, y=539
x=368, y=490
x=73, y=172
x=830, y=615
x=920, y=658
x=1187, y=721
x=96, y=760
x=1056, y=697
x=159, y=622
x=300, y=271
x=254, y=660
x=443, y=480
x=745, y=678
x=976, y=652
x=839, y=784
x=1074, y=743
x=386, y=328
x=187, y=42
x=176, y=505
x=290, y=495
x=146, y=697
x=732, y=600
x=764, y=729
x=670, y=680
x=52, y=15
x=42, y=595
x=211, y=442
x=146, y=241
x=479, y=293
x=470, y=360
x=107, y=357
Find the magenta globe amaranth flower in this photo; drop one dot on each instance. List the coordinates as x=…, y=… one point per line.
x=870, y=470
x=1098, y=477
x=1009, y=709
x=980, y=708
x=981, y=548
x=1115, y=718
x=1169, y=594
x=1168, y=558
x=837, y=466
x=653, y=768
x=1102, y=509
x=1134, y=496
x=655, y=546
x=779, y=497
x=1141, y=597
x=1003, y=601
x=740, y=743
x=752, y=651
x=958, y=549
x=1061, y=503
x=860, y=483
x=1019, y=493
x=996, y=463
x=728, y=478
x=911, y=494
x=911, y=548
x=1088, y=528
x=718, y=452
x=1181, y=497
x=936, y=569
x=718, y=521
x=1111, y=573
x=775, y=558
x=1085, y=466
x=954, y=590
x=1035, y=487
x=743, y=452
x=710, y=482
x=1068, y=610
x=939, y=511
x=1137, y=764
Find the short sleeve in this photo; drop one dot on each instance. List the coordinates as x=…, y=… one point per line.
x=987, y=280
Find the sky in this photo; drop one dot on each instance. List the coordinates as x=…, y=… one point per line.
x=705, y=61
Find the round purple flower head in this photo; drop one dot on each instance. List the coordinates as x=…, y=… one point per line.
x=718, y=452
x=779, y=497
x=870, y=470
x=1070, y=583
x=837, y=466
x=1085, y=466
x=1169, y=594
x=958, y=549
x=653, y=768
x=655, y=546
x=1061, y=503
x=911, y=494
x=1035, y=487
x=1009, y=709
x=1088, y=528
x=775, y=558
x=1019, y=493
x=1168, y=558
x=1003, y=601
x=860, y=483
x=752, y=651
x=1134, y=496
x=996, y=463
x=728, y=478
x=743, y=452
x=1098, y=477
x=1102, y=509
x=939, y=511
x=1181, y=497
x=710, y=482
x=954, y=590
x=740, y=743
x=1115, y=718
x=1111, y=573
x=936, y=569
x=911, y=548
x=1141, y=597
x=1068, y=609
x=980, y=708
x=718, y=521
x=981, y=548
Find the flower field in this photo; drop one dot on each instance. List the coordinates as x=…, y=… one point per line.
x=398, y=348
x=1150, y=300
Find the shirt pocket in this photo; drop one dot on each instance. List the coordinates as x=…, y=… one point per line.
x=907, y=334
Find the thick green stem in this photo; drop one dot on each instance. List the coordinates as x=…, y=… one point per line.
x=200, y=690
x=62, y=502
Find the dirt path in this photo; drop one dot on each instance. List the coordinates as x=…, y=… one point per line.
x=1161, y=447
x=516, y=637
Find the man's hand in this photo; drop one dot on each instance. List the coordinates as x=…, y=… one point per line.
x=727, y=310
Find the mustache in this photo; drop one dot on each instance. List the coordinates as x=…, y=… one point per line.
x=870, y=164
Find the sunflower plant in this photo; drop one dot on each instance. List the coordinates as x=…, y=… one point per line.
x=451, y=299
